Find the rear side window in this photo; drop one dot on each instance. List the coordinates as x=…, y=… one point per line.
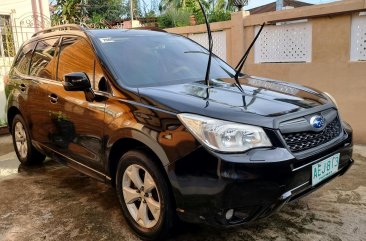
x=21, y=64
x=44, y=59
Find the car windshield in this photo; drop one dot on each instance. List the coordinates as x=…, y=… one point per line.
x=161, y=59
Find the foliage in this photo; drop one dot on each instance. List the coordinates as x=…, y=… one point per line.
x=196, y=9
x=219, y=15
x=149, y=8
x=173, y=13
x=174, y=18
x=136, y=9
x=95, y=12
x=108, y=10
x=3, y=122
x=67, y=11
x=216, y=10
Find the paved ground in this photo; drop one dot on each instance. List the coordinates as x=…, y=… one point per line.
x=52, y=202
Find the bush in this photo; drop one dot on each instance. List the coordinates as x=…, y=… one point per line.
x=174, y=18
x=219, y=15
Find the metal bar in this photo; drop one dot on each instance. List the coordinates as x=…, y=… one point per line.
x=16, y=34
x=2, y=52
x=61, y=27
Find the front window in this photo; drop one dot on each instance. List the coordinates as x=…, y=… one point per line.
x=160, y=59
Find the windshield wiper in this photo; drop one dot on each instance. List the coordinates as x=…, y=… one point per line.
x=195, y=52
x=240, y=65
x=210, y=44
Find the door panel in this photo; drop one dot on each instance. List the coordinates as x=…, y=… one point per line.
x=78, y=124
x=42, y=69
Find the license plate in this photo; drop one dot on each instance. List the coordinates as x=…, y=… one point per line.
x=324, y=169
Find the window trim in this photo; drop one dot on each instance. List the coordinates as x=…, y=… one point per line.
x=96, y=60
x=34, y=49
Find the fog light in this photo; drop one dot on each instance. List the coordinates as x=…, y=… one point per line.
x=229, y=214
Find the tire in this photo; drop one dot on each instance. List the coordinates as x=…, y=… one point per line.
x=147, y=179
x=22, y=142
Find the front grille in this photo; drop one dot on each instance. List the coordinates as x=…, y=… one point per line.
x=301, y=141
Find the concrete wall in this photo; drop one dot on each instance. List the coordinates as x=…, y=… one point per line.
x=330, y=68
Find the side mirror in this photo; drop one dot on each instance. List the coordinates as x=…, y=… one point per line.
x=77, y=81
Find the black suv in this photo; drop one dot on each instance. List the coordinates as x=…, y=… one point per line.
x=131, y=108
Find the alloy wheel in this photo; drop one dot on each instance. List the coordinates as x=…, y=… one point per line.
x=141, y=196
x=21, y=140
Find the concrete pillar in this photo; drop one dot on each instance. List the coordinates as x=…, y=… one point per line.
x=237, y=36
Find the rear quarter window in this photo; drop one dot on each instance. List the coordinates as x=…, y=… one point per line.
x=21, y=64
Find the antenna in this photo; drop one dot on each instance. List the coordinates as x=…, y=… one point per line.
x=210, y=44
x=240, y=65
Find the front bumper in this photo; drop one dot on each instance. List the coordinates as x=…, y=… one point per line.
x=207, y=185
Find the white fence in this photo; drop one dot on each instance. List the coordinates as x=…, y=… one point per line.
x=219, y=42
x=287, y=43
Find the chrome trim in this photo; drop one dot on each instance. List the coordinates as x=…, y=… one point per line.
x=76, y=162
x=299, y=186
x=312, y=162
x=286, y=195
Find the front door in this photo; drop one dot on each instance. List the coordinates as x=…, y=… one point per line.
x=78, y=123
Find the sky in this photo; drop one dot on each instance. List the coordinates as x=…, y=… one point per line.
x=256, y=3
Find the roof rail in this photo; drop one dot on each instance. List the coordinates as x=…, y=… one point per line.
x=59, y=28
x=151, y=28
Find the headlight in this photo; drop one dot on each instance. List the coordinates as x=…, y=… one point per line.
x=331, y=98
x=224, y=136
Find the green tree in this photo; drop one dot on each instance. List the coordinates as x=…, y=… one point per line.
x=88, y=11
x=108, y=10
x=136, y=9
x=67, y=11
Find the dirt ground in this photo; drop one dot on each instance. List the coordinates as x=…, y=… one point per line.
x=53, y=202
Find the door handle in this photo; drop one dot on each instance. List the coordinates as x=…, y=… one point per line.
x=22, y=87
x=53, y=98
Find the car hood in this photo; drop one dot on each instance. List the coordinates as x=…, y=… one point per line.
x=257, y=97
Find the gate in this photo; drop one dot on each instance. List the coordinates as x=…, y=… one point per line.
x=13, y=32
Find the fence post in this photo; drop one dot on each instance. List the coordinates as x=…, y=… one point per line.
x=237, y=36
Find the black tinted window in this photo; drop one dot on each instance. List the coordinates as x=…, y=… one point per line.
x=21, y=64
x=43, y=62
x=147, y=60
x=77, y=55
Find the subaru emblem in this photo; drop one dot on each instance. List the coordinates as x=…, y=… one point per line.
x=317, y=122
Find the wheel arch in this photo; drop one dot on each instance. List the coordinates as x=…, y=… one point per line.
x=12, y=112
x=133, y=139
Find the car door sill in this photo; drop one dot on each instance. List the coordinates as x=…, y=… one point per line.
x=79, y=166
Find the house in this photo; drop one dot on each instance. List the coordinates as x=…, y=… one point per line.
x=19, y=20
x=270, y=7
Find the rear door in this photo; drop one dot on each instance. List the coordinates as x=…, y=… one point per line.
x=78, y=123
x=20, y=79
x=42, y=70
